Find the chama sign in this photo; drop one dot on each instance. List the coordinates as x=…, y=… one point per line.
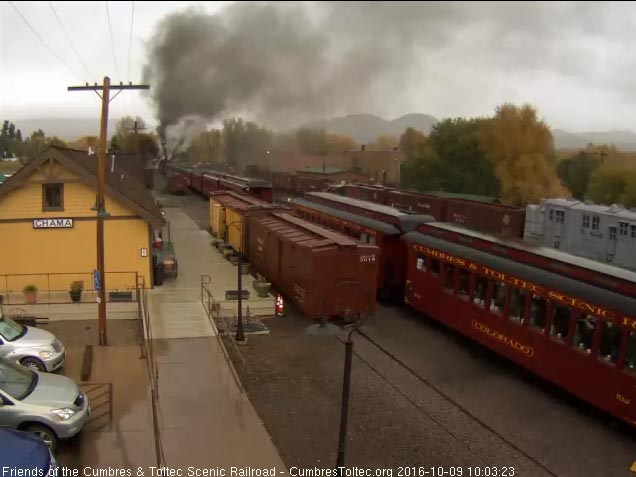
x=52, y=223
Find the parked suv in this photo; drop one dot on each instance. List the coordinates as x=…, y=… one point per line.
x=34, y=348
x=49, y=405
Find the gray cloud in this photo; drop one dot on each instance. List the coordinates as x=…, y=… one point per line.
x=284, y=63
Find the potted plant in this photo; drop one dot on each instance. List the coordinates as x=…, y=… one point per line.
x=76, y=290
x=30, y=293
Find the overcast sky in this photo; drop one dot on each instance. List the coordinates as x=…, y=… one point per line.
x=574, y=61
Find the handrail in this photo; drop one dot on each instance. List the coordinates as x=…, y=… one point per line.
x=153, y=374
x=211, y=308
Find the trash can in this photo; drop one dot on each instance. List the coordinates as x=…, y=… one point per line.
x=159, y=274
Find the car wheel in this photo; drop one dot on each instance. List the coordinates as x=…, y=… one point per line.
x=44, y=433
x=33, y=364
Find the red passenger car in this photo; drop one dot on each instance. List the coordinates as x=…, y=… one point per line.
x=418, y=203
x=569, y=332
x=370, y=192
x=310, y=264
x=384, y=232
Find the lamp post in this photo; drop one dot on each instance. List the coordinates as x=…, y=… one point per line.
x=327, y=329
x=240, y=336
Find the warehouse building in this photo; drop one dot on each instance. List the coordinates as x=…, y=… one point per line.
x=48, y=225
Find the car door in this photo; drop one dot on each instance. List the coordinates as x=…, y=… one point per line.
x=9, y=415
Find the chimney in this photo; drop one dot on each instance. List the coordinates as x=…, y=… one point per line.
x=383, y=176
x=363, y=147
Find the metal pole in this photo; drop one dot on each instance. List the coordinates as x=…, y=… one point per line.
x=239, y=324
x=344, y=411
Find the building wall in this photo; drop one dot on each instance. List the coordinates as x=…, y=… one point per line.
x=72, y=251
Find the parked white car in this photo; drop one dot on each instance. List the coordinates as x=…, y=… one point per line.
x=34, y=348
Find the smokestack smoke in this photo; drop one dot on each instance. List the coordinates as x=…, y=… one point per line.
x=287, y=63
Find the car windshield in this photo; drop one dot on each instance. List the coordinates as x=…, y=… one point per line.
x=10, y=330
x=16, y=380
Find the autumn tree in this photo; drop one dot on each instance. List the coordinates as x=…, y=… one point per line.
x=384, y=142
x=313, y=141
x=244, y=141
x=207, y=147
x=575, y=172
x=412, y=142
x=340, y=143
x=521, y=148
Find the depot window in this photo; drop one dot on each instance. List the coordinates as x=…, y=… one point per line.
x=595, y=223
x=623, y=227
x=586, y=221
x=52, y=197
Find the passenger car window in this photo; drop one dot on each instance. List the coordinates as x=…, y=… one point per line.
x=463, y=285
x=584, y=333
x=435, y=266
x=538, y=313
x=421, y=263
x=498, y=301
x=630, y=355
x=560, y=322
x=449, y=277
x=610, y=342
x=518, y=304
x=481, y=289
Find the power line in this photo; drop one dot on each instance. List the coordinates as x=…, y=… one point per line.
x=59, y=20
x=42, y=40
x=112, y=41
x=132, y=16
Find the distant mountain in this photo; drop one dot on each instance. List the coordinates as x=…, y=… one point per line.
x=624, y=140
x=67, y=129
x=364, y=128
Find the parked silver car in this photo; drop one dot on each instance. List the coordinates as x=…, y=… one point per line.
x=34, y=348
x=49, y=405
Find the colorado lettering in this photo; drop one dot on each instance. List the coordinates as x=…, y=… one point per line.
x=497, y=335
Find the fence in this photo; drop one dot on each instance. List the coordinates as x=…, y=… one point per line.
x=148, y=352
x=122, y=286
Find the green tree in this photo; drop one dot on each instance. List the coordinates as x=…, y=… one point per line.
x=609, y=186
x=521, y=148
x=412, y=143
x=575, y=172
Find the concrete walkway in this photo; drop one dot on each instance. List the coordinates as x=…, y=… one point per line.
x=205, y=418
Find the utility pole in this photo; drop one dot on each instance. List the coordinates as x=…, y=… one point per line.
x=101, y=180
x=603, y=154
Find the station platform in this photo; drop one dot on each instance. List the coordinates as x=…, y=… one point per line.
x=205, y=416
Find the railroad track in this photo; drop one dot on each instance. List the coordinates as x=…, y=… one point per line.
x=446, y=398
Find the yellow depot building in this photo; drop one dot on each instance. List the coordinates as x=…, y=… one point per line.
x=48, y=225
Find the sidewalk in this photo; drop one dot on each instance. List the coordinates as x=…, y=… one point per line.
x=205, y=419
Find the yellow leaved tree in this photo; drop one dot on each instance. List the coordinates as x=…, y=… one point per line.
x=521, y=148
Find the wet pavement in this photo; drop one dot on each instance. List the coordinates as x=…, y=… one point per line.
x=119, y=432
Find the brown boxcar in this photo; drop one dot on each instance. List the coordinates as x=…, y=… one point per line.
x=177, y=183
x=384, y=232
x=499, y=219
x=371, y=192
x=309, y=265
x=419, y=203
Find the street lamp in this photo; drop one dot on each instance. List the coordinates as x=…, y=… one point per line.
x=327, y=329
x=240, y=336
